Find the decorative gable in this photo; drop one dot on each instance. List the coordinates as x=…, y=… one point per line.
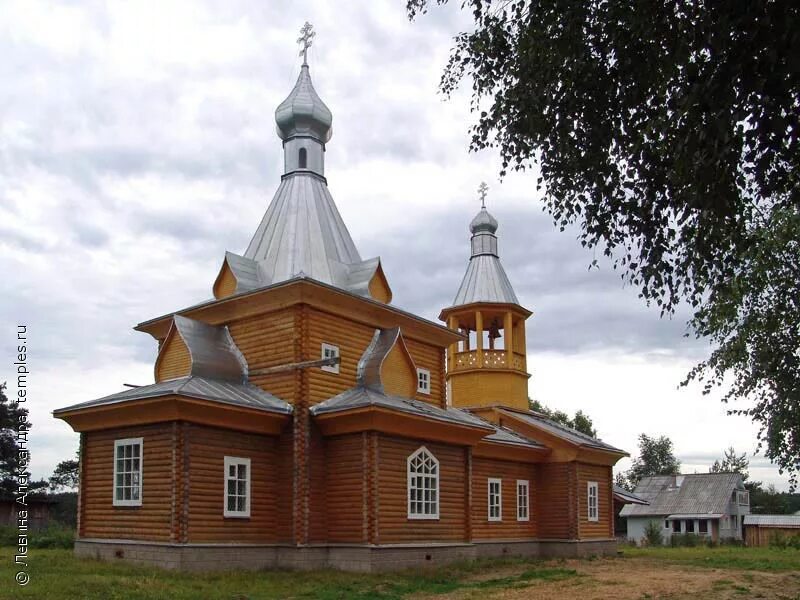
x=398, y=372
x=195, y=348
x=173, y=360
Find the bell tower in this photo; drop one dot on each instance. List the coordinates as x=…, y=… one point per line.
x=489, y=367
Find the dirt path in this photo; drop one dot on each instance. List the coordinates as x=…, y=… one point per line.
x=635, y=579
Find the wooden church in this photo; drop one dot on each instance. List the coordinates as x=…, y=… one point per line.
x=298, y=419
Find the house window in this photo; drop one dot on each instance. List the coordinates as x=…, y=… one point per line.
x=423, y=381
x=666, y=524
x=330, y=351
x=523, y=500
x=676, y=526
x=495, y=499
x=128, y=472
x=743, y=498
x=237, y=487
x=689, y=526
x=423, y=485
x=302, y=158
x=702, y=526
x=591, y=490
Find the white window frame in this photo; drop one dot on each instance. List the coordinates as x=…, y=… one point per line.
x=523, y=484
x=499, y=482
x=424, y=381
x=334, y=351
x=236, y=461
x=410, y=485
x=592, y=509
x=138, y=487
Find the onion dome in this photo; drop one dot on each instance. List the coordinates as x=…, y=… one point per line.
x=303, y=113
x=483, y=222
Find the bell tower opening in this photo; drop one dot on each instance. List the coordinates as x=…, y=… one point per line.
x=302, y=159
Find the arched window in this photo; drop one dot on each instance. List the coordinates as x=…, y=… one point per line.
x=423, y=485
x=302, y=159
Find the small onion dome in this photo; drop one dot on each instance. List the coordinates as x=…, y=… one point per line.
x=304, y=112
x=483, y=222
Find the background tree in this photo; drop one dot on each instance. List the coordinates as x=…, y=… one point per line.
x=66, y=475
x=669, y=133
x=732, y=463
x=11, y=414
x=656, y=457
x=580, y=422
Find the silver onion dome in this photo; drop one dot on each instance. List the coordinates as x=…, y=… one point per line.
x=303, y=113
x=483, y=221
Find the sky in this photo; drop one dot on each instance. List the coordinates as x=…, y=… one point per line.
x=137, y=145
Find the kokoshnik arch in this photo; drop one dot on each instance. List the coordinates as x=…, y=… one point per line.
x=299, y=419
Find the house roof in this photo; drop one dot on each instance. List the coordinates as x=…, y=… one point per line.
x=192, y=386
x=561, y=431
x=623, y=495
x=787, y=521
x=699, y=494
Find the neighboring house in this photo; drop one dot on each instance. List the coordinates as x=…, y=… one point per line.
x=710, y=505
x=38, y=508
x=621, y=498
x=299, y=419
x=760, y=530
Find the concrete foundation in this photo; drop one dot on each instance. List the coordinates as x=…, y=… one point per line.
x=359, y=558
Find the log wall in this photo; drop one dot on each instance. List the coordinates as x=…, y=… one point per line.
x=604, y=526
x=393, y=523
x=509, y=472
x=153, y=519
x=206, y=450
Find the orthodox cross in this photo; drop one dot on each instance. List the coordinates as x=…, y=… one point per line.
x=482, y=189
x=306, y=37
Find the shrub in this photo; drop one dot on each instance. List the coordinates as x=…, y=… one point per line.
x=55, y=535
x=691, y=540
x=652, y=534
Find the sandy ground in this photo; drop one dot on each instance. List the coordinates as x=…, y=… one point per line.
x=626, y=579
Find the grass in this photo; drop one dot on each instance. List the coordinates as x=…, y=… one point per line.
x=724, y=557
x=56, y=569
x=56, y=573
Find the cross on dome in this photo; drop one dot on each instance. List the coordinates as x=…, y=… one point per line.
x=306, y=39
x=482, y=189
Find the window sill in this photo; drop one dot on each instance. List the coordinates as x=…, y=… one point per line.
x=240, y=517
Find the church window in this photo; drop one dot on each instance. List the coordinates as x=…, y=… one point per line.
x=423, y=381
x=128, y=472
x=302, y=159
x=330, y=351
x=591, y=491
x=495, y=499
x=523, y=500
x=237, y=487
x=423, y=485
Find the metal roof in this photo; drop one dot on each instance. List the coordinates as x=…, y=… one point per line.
x=192, y=386
x=504, y=435
x=485, y=279
x=697, y=494
x=681, y=516
x=624, y=495
x=302, y=234
x=368, y=372
x=303, y=112
x=788, y=521
x=213, y=352
x=362, y=396
x=561, y=431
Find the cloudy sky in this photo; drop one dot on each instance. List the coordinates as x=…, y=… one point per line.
x=137, y=144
